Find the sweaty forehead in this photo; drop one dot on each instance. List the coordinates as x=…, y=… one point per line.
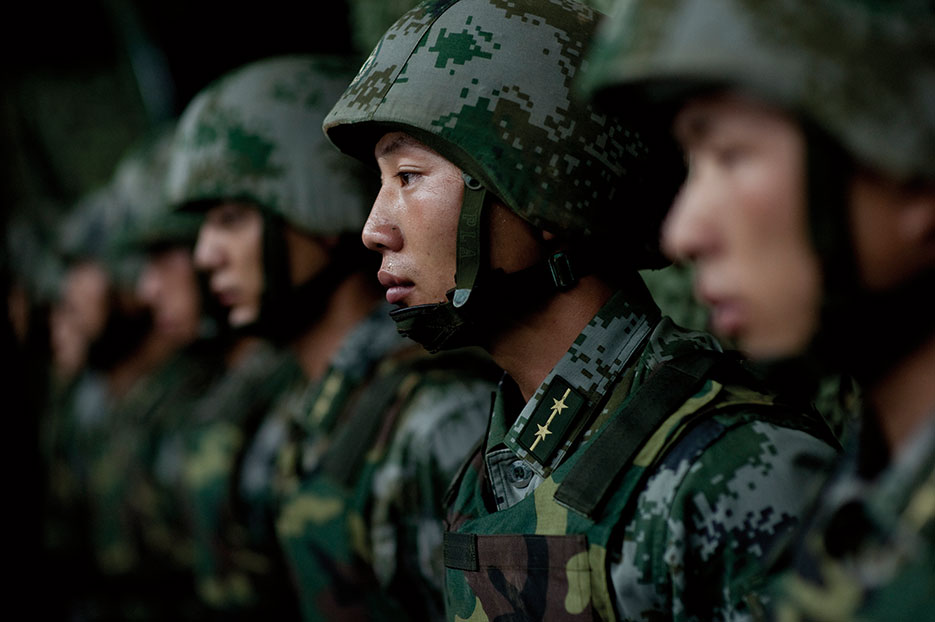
x=395, y=141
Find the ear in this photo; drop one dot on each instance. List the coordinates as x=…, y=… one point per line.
x=916, y=220
x=547, y=235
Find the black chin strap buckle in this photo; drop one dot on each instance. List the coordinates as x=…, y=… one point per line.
x=562, y=271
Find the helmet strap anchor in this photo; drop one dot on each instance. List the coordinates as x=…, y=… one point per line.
x=469, y=240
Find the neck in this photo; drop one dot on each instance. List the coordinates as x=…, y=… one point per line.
x=350, y=302
x=240, y=349
x=530, y=347
x=904, y=398
x=151, y=353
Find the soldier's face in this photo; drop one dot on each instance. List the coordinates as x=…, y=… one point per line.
x=169, y=287
x=414, y=220
x=230, y=249
x=741, y=220
x=86, y=296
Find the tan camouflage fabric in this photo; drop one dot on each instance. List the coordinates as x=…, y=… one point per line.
x=689, y=522
x=869, y=551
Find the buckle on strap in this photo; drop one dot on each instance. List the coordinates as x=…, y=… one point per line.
x=562, y=271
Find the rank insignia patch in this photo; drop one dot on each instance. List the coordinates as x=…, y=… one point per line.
x=545, y=430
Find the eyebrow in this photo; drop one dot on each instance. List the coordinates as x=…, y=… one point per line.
x=403, y=140
x=692, y=127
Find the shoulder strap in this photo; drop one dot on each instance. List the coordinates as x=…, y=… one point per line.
x=589, y=481
x=355, y=437
x=380, y=401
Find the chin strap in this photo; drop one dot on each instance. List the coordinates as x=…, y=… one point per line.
x=860, y=332
x=483, y=299
x=498, y=297
x=469, y=240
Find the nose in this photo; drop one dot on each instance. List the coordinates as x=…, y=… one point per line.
x=147, y=286
x=207, y=254
x=381, y=233
x=688, y=232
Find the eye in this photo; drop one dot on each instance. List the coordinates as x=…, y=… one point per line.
x=731, y=155
x=406, y=177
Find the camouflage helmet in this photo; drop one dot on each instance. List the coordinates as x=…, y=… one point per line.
x=862, y=71
x=488, y=84
x=90, y=232
x=139, y=184
x=254, y=135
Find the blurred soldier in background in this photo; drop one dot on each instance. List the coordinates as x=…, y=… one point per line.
x=149, y=434
x=630, y=469
x=351, y=459
x=809, y=213
x=118, y=432
x=111, y=343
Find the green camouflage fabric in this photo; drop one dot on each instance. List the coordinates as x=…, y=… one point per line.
x=377, y=442
x=138, y=532
x=688, y=521
x=255, y=136
x=793, y=54
x=73, y=425
x=139, y=183
x=837, y=397
x=89, y=229
x=868, y=552
x=237, y=569
x=448, y=73
x=31, y=257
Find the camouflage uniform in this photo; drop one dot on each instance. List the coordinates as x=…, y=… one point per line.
x=254, y=136
x=677, y=525
x=378, y=439
x=141, y=534
x=237, y=566
x=678, y=536
x=866, y=551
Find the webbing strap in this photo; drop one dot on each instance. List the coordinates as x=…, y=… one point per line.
x=460, y=551
x=589, y=481
x=469, y=239
x=355, y=437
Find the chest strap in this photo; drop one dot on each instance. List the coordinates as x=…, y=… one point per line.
x=590, y=480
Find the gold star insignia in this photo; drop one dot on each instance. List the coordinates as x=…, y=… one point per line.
x=559, y=405
x=543, y=432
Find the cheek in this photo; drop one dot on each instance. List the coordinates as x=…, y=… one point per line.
x=248, y=254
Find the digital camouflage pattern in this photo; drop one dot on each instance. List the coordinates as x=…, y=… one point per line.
x=869, y=550
x=686, y=525
x=139, y=185
x=448, y=74
x=791, y=53
x=138, y=531
x=375, y=444
x=255, y=136
x=88, y=231
x=235, y=556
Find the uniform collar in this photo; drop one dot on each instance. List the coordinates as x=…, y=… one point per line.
x=566, y=399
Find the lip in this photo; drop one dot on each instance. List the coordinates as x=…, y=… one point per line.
x=397, y=288
x=727, y=317
x=226, y=297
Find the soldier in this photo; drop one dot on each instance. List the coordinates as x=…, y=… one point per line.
x=151, y=430
x=629, y=470
x=809, y=215
x=351, y=459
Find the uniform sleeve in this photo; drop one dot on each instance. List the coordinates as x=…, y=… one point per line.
x=708, y=517
x=441, y=423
